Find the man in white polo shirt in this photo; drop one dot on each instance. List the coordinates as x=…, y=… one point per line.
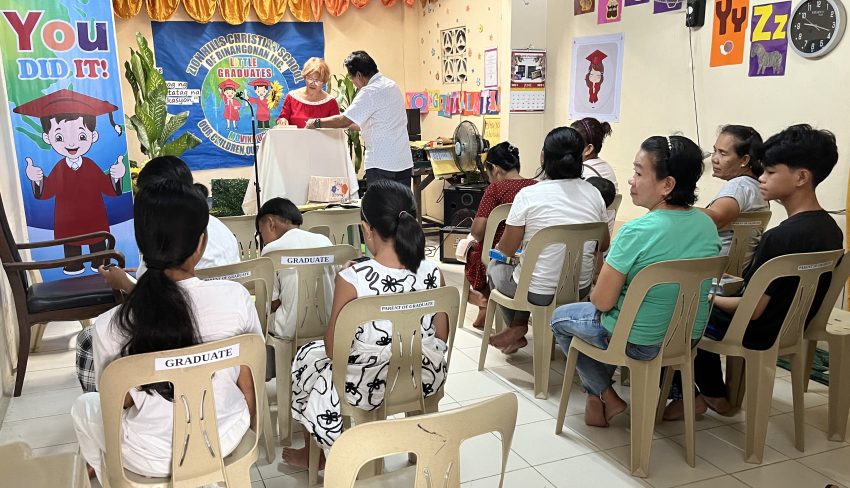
x=377, y=111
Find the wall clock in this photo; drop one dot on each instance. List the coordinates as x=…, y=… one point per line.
x=816, y=27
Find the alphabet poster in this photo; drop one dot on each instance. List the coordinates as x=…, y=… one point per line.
x=729, y=32
x=63, y=83
x=768, y=39
x=661, y=6
x=609, y=11
x=597, y=75
x=207, y=65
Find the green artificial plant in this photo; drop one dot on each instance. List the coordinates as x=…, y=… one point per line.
x=345, y=92
x=155, y=127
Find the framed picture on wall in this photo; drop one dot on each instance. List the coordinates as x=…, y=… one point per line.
x=597, y=74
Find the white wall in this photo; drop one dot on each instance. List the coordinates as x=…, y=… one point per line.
x=657, y=95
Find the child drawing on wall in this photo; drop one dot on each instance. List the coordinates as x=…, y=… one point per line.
x=231, y=103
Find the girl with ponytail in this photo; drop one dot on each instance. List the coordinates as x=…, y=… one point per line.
x=562, y=197
x=169, y=308
x=397, y=243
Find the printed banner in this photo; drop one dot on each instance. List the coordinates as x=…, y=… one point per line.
x=661, y=6
x=729, y=32
x=583, y=6
x=208, y=66
x=63, y=83
x=609, y=11
x=597, y=75
x=417, y=100
x=769, y=42
x=631, y=3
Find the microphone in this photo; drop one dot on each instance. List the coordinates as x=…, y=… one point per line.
x=240, y=95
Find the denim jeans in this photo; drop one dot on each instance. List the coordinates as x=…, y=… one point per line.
x=582, y=320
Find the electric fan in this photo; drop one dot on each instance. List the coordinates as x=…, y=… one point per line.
x=469, y=145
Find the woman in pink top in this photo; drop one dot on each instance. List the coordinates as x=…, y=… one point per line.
x=312, y=101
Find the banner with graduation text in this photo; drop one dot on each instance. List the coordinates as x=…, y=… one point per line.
x=208, y=66
x=63, y=83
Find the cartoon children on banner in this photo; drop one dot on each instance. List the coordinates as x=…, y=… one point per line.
x=595, y=75
x=231, y=103
x=68, y=120
x=261, y=88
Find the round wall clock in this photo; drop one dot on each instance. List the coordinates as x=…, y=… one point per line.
x=816, y=27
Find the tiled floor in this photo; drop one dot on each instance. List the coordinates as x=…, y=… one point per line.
x=581, y=456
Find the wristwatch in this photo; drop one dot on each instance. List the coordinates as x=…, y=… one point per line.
x=317, y=123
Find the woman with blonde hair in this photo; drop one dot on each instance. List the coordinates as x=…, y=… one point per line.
x=312, y=101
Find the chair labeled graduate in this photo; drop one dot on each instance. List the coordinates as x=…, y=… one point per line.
x=197, y=457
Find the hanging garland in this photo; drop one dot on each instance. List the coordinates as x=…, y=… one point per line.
x=237, y=11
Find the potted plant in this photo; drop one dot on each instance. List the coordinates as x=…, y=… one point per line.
x=345, y=91
x=154, y=126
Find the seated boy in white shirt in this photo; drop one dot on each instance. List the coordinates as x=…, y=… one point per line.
x=278, y=224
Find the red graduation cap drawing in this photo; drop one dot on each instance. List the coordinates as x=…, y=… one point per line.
x=260, y=82
x=595, y=75
x=68, y=102
x=228, y=84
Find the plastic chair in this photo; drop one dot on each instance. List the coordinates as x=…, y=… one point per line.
x=311, y=318
x=335, y=223
x=19, y=468
x=833, y=326
x=196, y=450
x=435, y=439
x=404, y=373
x=245, y=229
x=615, y=205
x=257, y=275
x=496, y=217
x=676, y=352
x=574, y=236
x=744, y=227
x=760, y=370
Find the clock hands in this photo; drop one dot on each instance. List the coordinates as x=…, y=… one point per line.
x=815, y=26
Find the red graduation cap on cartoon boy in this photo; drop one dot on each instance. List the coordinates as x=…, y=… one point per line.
x=596, y=57
x=228, y=84
x=260, y=82
x=68, y=102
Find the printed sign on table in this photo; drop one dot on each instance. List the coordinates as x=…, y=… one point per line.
x=63, y=83
x=768, y=39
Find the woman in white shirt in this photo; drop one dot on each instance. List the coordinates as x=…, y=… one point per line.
x=594, y=133
x=562, y=197
x=169, y=308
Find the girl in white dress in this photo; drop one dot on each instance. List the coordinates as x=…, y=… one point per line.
x=395, y=239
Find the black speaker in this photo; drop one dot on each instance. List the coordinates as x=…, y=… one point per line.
x=460, y=203
x=695, y=14
x=414, y=124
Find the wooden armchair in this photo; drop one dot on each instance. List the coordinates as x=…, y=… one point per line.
x=78, y=298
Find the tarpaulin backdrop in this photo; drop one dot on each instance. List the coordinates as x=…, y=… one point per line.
x=205, y=65
x=68, y=45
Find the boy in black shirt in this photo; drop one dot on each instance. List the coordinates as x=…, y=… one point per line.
x=795, y=161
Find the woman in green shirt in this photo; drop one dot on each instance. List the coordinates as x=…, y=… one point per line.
x=666, y=171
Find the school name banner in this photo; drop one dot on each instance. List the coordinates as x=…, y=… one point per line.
x=62, y=80
x=216, y=70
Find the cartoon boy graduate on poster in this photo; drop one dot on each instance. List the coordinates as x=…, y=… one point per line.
x=231, y=103
x=68, y=121
x=262, y=88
